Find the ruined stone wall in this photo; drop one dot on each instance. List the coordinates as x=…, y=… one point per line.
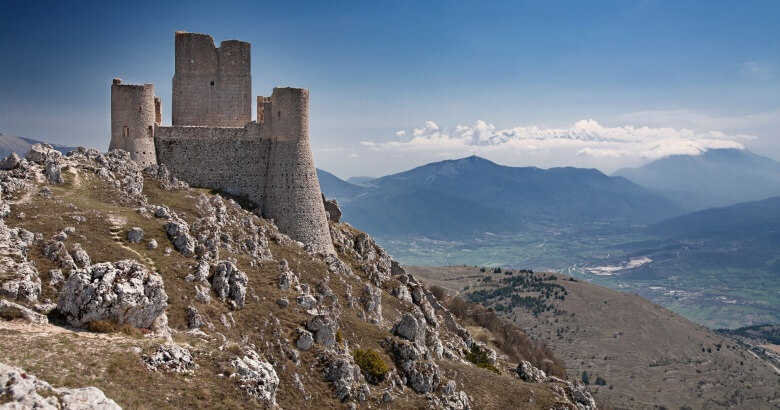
x=211, y=86
x=233, y=160
x=270, y=164
x=133, y=120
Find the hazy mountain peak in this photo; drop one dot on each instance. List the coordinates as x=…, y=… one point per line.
x=716, y=177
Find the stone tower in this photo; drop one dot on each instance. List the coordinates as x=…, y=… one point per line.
x=134, y=115
x=292, y=191
x=211, y=86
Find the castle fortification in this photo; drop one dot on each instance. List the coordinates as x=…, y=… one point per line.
x=213, y=142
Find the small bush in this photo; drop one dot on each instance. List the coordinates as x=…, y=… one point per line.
x=374, y=368
x=600, y=381
x=10, y=314
x=479, y=357
x=585, y=378
x=339, y=337
x=107, y=326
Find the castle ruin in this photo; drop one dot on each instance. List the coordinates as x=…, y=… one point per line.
x=213, y=142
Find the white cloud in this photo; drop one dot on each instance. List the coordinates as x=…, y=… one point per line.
x=401, y=133
x=756, y=70
x=585, y=138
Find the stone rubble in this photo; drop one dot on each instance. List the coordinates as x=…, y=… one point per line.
x=171, y=358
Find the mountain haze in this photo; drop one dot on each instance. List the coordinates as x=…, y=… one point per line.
x=717, y=177
x=472, y=195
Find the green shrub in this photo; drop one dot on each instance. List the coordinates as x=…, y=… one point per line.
x=374, y=368
x=479, y=357
x=585, y=378
x=600, y=381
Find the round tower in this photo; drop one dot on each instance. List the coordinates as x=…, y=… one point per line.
x=292, y=193
x=133, y=118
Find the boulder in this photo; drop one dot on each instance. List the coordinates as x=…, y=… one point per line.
x=257, y=377
x=39, y=153
x=345, y=376
x=53, y=172
x=305, y=340
x=152, y=244
x=56, y=252
x=171, y=358
x=287, y=278
x=11, y=311
x=10, y=162
x=423, y=376
x=123, y=292
x=21, y=390
x=306, y=301
x=411, y=328
x=194, y=319
x=371, y=300
x=528, y=373
x=135, y=235
x=324, y=329
x=179, y=233
x=229, y=283
x=23, y=284
x=80, y=256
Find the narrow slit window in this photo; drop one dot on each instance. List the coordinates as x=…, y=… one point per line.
x=126, y=131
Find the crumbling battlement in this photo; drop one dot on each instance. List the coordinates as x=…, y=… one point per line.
x=214, y=144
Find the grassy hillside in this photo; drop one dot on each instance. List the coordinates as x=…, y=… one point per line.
x=646, y=355
x=103, y=199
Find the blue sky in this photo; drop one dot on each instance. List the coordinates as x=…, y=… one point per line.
x=396, y=84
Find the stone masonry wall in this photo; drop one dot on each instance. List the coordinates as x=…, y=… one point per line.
x=233, y=160
x=211, y=86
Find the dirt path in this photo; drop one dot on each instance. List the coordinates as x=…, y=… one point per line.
x=117, y=225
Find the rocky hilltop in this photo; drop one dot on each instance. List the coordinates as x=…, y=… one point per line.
x=124, y=287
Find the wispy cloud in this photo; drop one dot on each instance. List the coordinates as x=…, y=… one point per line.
x=585, y=138
x=757, y=70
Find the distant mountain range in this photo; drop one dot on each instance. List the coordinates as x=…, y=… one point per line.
x=473, y=195
x=718, y=177
x=20, y=145
x=740, y=237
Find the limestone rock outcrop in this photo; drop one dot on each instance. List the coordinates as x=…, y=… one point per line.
x=21, y=390
x=257, y=377
x=345, y=376
x=229, y=283
x=179, y=233
x=18, y=276
x=10, y=311
x=324, y=329
x=39, y=153
x=10, y=162
x=123, y=292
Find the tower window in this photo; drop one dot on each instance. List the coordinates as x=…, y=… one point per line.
x=125, y=131
x=212, y=83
